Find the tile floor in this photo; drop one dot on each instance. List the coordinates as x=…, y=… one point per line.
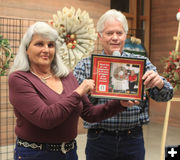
x=152, y=136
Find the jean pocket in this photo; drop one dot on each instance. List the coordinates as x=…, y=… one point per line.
x=95, y=135
x=137, y=135
x=21, y=153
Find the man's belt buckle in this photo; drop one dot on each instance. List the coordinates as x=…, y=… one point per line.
x=65, y=149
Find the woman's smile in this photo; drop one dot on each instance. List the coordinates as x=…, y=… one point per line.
x=41, y=51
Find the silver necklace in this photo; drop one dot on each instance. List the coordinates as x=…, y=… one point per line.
x=43, y=79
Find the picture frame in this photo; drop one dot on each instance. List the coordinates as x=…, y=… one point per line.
x=117, y=77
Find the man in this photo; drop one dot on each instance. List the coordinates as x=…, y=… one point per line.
x=120, y=137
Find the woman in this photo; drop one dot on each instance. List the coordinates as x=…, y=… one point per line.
x=47, y=100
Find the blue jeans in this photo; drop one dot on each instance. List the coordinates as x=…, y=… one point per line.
x=101, y=146
x=22, y=153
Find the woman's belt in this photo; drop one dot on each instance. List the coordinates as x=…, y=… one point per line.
x=61, y=147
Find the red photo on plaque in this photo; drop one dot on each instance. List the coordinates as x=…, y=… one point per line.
x=117, y=77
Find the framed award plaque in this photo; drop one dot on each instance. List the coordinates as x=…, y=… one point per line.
x=117, y=77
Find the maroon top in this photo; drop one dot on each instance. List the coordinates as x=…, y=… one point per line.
x=46, y=116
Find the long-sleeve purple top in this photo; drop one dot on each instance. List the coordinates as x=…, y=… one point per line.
x=45, y=116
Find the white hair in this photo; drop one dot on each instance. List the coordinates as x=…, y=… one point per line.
x=21, y=62
x=109, y=16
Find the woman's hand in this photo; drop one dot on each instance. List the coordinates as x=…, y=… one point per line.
x=85, y=87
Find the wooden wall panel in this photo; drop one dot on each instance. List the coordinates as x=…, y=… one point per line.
x=44, y=9
x=163, y=27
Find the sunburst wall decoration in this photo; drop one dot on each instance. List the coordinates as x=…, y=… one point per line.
x=77, y=34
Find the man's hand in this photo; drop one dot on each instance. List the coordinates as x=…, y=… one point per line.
x=128, y=103
x=152, y=79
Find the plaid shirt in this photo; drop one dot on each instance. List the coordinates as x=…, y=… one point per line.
x=133, y=116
